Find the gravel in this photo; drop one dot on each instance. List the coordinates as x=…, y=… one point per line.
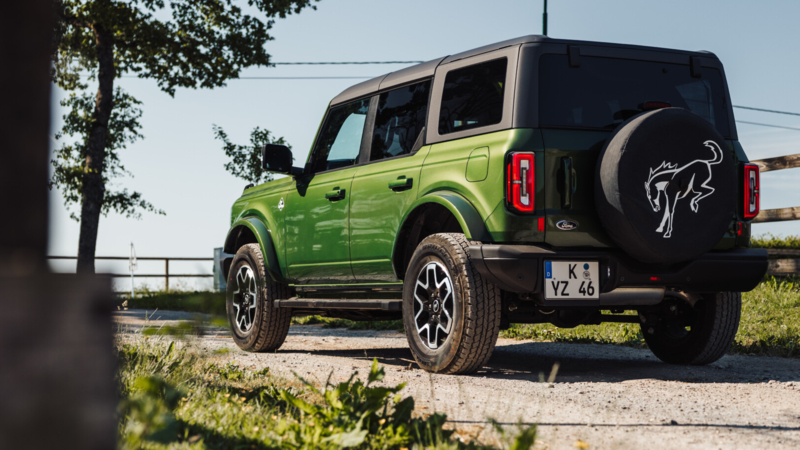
x=608, y=396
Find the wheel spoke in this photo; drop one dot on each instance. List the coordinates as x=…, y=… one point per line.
x=434, y=297
x=245, y=298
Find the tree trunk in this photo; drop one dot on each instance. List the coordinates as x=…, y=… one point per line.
x=93, y=187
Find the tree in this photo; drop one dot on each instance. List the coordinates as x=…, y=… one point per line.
x=69, y=159
x=203, y=44
x=245, y=160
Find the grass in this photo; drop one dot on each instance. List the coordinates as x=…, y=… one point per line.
x=202, y=302
x=175, y=399
x=771, y=241
x=327, y=322
x=770, y=324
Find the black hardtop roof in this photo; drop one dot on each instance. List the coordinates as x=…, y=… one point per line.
x=427, y=69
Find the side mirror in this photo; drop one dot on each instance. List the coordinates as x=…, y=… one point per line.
x=278, y=158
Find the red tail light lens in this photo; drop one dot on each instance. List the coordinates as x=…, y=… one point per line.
x=752, y=188
x=520, y=182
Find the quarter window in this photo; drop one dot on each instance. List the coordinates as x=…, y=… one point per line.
x=339, y=141
x=473, y=96
x=399, y=120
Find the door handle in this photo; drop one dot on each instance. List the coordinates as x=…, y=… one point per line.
x=336, y=194
x=401, y=184
x=570, y=185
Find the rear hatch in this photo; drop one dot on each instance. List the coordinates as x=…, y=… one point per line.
x=580, y=106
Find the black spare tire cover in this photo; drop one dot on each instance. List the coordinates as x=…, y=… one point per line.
x=665, y=187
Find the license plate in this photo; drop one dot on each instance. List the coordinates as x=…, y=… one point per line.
x=571, y=280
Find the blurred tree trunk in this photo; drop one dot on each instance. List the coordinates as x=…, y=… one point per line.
x=57, y=386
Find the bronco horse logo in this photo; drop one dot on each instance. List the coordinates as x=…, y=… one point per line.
x=693, y=178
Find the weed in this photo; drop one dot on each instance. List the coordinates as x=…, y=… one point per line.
x=769, y=240
x=171, y=399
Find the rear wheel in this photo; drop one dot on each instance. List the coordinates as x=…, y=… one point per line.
x=451, y=314
x=695, y=335
x=255, y=324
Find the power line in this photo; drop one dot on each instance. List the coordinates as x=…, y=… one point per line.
x=302, y=78
x=766, y=110
x=343, y=62
x=768, y=125
x=276, y=78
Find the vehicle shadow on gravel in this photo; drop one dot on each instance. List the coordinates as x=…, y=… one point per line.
x=578, y=363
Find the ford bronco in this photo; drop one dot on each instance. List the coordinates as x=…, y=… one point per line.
x=534, y=180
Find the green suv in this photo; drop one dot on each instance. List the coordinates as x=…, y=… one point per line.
x=534, y=180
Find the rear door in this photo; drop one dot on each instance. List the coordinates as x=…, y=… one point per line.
x=581, y=104
x=387, y=185
x=318, y=209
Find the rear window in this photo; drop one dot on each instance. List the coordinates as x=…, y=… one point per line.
x=473, y=96
x=604, y=92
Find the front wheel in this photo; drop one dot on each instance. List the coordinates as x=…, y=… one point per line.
x=451, y=314
x=695, y=335
x=256, y=325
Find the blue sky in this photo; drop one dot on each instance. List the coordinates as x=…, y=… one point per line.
x=179, y=166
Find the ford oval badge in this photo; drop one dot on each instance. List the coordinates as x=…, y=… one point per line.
x=567, y=225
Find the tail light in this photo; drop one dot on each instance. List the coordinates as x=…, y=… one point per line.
x=520, y=182
x=752, y=187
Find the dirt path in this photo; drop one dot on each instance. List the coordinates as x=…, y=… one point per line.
x=608, y=396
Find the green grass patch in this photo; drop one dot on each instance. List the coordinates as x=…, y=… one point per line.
x=327, y=322
x=174, y=399
x=770, y=324
x=201, y=302
x=771, y=241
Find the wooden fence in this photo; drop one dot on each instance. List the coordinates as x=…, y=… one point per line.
x=166, y=260
x=788, y=264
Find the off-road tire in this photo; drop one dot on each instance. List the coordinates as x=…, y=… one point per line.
x=270, y=325
x=477, y=303
x=714, y=327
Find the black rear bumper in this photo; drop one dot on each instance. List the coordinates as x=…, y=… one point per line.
x=518, y=268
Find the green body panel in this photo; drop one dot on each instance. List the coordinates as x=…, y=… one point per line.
x=583, y=148
x=478, y=164
x=258, y=210
x=445, y=169
x=376, y=211
x=317, y=228
x=505, y=225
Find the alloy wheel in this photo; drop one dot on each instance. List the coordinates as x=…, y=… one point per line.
x=434, y=305
x=245, y=299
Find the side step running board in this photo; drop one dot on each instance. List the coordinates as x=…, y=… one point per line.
x=326, y=303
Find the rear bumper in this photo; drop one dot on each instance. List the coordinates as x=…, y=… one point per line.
x=518, y=268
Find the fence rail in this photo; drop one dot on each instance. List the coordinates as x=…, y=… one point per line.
x=778, y=163
x=769, y=165
x=166, y=260
x=780, y=267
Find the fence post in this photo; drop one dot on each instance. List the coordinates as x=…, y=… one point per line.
x=166, y=274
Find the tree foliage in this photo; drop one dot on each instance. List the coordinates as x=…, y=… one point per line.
x=68, y=159
x=175, y=43
x=180, y=43
x=245, y=160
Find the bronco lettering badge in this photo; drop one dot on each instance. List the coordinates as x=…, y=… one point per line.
x=567, y=225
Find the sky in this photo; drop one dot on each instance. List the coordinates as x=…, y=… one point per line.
x=179, y=165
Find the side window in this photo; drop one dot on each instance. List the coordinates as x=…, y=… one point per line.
x=340, y=139
x=399, y=120
x=473, y=96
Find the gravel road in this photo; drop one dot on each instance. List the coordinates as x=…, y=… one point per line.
x=608, y=396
